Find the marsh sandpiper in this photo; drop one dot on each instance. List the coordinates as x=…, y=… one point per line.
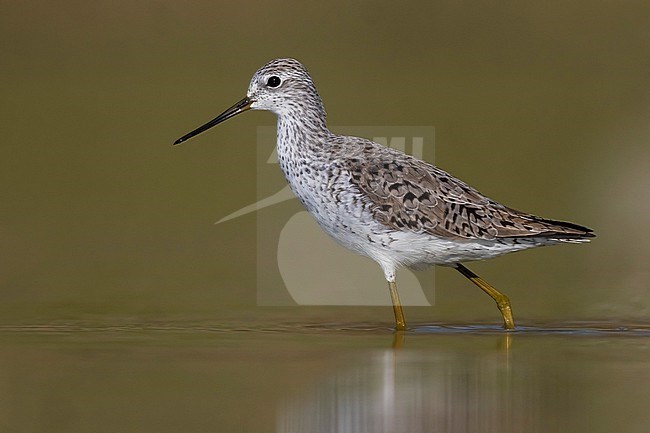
x=382, y=203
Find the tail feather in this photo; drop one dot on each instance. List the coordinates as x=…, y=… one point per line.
x=563, y=231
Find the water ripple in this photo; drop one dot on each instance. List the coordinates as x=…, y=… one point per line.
x=560, y=328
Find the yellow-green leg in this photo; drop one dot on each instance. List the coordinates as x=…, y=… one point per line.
x=400, y=323
x=502, y=300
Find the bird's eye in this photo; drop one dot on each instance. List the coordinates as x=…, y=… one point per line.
x=273, y=81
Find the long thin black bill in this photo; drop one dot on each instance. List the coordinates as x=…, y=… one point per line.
x=240, y=107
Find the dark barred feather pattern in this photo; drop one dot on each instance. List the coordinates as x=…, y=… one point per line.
x=409, y=194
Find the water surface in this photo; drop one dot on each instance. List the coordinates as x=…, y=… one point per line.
x=171, y=377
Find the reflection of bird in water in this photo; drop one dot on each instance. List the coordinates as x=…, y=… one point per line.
x=382, y=203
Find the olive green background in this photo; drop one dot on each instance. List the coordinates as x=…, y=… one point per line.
x=124, y=308
x=542, y=106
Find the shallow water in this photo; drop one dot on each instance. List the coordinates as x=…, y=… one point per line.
x=170, y=377
x=110, y=260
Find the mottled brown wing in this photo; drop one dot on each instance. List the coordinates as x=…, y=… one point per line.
x=409, y=194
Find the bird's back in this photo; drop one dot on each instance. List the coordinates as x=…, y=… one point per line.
x=407, y=194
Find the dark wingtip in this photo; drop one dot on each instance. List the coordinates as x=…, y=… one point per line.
x=586, y=231
x=577, y=231
x=179, y=141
